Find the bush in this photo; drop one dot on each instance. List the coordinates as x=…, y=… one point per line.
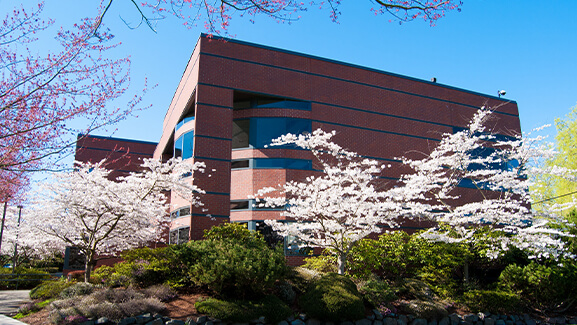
x=234, y=231
x=492, y=301
x=49, y=289
x=229, y=267
x=285, y=292
x=113, y=304
x=161, y=292
x=102, y=275
x=334, y=298
x=541, y=285
x=28, y=278
x=376, y=292
x=146, y=266
x=322, y=263
x=397, y=255
x=77, y=289
x=425, y=309
x=271, y=307
x=417, y=289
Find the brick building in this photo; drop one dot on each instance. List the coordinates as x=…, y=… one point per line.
x=234, y=97
x=122, y=155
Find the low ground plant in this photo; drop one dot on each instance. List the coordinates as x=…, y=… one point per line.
x=334, y=298
x=113, y=304
x=244, y=311
x=49, y=289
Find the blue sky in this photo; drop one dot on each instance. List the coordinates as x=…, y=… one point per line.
x=523, y=47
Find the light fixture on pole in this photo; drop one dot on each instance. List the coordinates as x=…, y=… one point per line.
x=16, y=241
x=2, y=226
x=501, y=93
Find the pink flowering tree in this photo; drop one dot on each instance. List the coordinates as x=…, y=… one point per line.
x=336, y=208
x=501, y=172
x=217, y=14
x=40, y=93
x=99, y=216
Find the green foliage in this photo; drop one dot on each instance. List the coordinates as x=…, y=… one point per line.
x=322, y=263
x=376, y=291
x=271, y=307
x=147, y=266
x=397, y=255
x=235, y=231
x=492, y=301
x=49, y=289
x=541, y=285
x=333, y=297
x=28, y=278
x=285, y=292
x=229, y=267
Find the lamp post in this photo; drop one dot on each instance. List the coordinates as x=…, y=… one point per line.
x=2, y=227
x=16, y=241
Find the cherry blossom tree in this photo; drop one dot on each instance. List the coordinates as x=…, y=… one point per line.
x=501, y=171
x=40, y=93
x=217, y=14
x=85, y=209
x=336, y=208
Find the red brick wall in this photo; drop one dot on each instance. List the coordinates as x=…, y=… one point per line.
x=377, y=114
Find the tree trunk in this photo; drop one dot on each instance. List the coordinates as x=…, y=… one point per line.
x=342, y=261
x=88, y=269
x=466, y=272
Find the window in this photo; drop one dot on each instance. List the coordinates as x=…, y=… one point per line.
x=240, y=205
x=181, y=212
x=295, y=246
x=276, y=163
x=179, y=235
x=237, y=164
x=184, y=145
x=258, y=132
x=244, y=100
x=240, y=133
x=189, y=117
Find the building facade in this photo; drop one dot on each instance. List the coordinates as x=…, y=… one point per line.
x=235, y=97
x=122, y=156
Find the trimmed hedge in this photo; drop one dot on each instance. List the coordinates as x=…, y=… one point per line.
x=334, y=298
x=243, y=311
x=492, y=301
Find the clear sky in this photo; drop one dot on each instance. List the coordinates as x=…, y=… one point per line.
x=522, y=46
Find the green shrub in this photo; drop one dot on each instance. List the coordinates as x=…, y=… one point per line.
x=147, y=266
x=322, y=263
x=235, y=231
x=49, y=289
x=333, y=297
x=541, y=285
x=397, y=255
x=285, y=292
x=102, y=275
x=376, y=291
x=236, y=268
x=28, y=278
x=271, y=307
x=301, y=279
x=492, y=301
